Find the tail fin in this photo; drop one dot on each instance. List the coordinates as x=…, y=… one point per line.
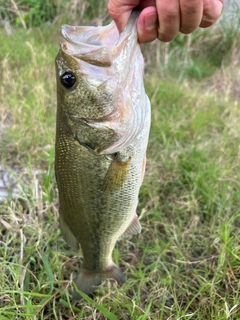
x=88, y=281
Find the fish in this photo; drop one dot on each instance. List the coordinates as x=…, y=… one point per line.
x=102, y=132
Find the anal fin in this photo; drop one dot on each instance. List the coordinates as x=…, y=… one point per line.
x=133, y=228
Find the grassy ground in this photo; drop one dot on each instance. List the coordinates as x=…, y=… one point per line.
x=186, y=262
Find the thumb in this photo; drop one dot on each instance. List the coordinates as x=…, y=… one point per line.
x=120, y=11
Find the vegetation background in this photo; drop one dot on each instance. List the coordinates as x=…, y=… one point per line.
x=186, y=262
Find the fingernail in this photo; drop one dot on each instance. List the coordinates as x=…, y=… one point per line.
x=150, y=21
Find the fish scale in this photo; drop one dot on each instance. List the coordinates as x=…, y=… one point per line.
x=102, y=129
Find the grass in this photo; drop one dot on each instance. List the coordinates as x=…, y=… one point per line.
x=186, y=262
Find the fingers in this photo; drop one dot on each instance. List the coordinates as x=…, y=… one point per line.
x=172, y=16
x=163, y=19
x=168, y=18
x=212, y=10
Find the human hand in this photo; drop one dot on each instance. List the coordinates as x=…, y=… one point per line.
x=163, y=19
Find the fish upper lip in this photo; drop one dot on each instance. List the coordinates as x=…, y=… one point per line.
x=90, y=36
x=90, y=46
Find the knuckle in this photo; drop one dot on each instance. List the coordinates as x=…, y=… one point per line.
x=189, y=10
x=169, y=16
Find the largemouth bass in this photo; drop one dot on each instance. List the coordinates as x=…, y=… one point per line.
x=102, y=128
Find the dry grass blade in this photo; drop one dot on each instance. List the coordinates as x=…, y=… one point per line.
x=18, y=12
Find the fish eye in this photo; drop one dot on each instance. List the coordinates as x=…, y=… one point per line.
x=68, y=79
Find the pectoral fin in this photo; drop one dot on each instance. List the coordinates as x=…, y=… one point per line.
x=116, y=174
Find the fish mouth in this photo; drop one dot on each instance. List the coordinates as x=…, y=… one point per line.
x=90, y=44
x=94, y=36
x=97, y=45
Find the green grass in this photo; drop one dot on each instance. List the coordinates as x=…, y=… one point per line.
x=186, y=262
